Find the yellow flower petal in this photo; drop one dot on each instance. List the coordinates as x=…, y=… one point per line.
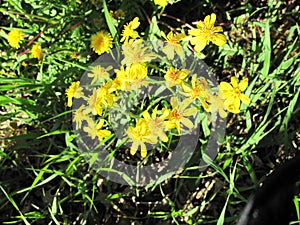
x=185, y=103
x=222, y=113
x=169, y=51
x=187, y=122
x=163, y=137
x=134, y=148
x=245, y=99
x=234, y=82
x=174, y=102
x=154, y=112
x=232, y=109
x=218, y=39
x=218, y=29
x=163, y=35
x=165, y=114
x=179, y=50
x=205, y=105
x=209, y=21
x=143, y=150
x=162, y=3
x=195, y=32
x=135, y=23
x=169, y=125
x=229, y=100
x=103, y=134
x=100, y=124
x=177, y=126
x=226, y=89
x=243, y=84
x=199, y=43
x=146, y=115
x=190, y=111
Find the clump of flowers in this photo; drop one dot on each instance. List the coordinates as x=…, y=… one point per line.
x=15, y=37
x=118, y=87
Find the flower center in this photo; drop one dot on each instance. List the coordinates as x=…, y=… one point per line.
x=156, y=124
x=174, y=76
x=237, y=91
x=175, y=115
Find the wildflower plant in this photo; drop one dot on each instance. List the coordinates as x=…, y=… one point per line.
x=142, y=95
x=146, y=111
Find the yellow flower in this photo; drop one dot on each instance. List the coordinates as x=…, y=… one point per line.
x=75, y=55
x=93, y=101
x=139, y=135
x=206, y=32
x=129, y=31
x=100, y=73
x=135, y=52
x=162, y=3
x=173, y=44
x=119, y=13
x=215, y=103
x=14, y=38
x=104, y=97
x=131, y=78
x=120, y=82
x=196, y=90
x=79, y=116
x=136, y=75
x=178, y=114
x=233, y=94
x=175, y=76
x=101, y=42
x=74, y=91
x=36, y=51
x=24, y=63
x=94, y=130
x=156, y=125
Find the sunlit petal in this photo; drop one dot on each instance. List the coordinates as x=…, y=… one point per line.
x=187, y=122
x=234, y=82
x=174, y=102
x=218, y=39
x=143, y=150
x=134, y=148
x=190, y=112
x=243, y=84
x=245, y=99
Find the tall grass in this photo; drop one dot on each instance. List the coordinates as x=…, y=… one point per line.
x=45, y=179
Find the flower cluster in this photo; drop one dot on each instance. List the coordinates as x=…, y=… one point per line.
x=152, y=123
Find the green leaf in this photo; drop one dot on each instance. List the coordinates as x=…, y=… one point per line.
x=110, y=24
x=267, y=51
x=14, y=204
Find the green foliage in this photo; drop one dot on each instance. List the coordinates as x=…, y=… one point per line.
x=45, y=179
